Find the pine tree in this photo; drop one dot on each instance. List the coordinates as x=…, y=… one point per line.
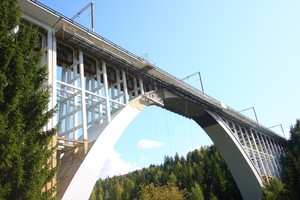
x=169, y=191
x=273, y=190
x=24, y=149
x=196, y=192
x=291, y=165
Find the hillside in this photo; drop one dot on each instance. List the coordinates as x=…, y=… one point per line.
x=203, y=174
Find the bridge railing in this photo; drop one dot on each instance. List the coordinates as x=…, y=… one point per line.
x=87, y=30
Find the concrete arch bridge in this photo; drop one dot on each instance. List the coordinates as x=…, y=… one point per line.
x=100, y=88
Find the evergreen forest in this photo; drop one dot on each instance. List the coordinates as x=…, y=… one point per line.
x=24, y=144
x=203, y=174
x=289, y=185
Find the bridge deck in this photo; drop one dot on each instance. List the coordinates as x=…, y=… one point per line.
x=96, y=45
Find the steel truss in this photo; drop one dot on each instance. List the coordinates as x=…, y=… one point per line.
x=264, y=151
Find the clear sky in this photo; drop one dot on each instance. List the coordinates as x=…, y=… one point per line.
x=248, y=53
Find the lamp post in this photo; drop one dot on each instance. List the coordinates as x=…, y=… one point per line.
x=199, y=74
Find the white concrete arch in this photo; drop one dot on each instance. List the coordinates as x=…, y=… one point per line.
x=101, y=138
x=242, y=169
x=246, y=176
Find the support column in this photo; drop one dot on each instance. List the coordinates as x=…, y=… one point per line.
x=52, y=65
x=88, y=99
x=271, y=157
x=62, y=102
x=118, y=85
x=93, y=108
x=83, y=103
x=51, y=62
x=258, y=143
x=75, y=103
x=125, y=87
x=260, y=155
x=243, y=138
x=267, y=158
x=68, y=102
x=254, y=153
x=276, y=156
x=99, y=88
x=106, y=91
x=135, y=87
x=141, y=85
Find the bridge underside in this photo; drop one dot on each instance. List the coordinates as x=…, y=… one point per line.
x=246, y=176
x=103, y=136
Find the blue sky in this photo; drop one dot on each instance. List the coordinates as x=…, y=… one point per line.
x=248, y=53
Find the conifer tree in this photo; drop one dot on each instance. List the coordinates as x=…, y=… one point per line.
x=24, y=97
x=273, y=190
x=169, y=191
x=291, y=165
x=196, y=192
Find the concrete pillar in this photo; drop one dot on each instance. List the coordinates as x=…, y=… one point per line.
x=99, y=88
x=141, y=85
x=125, y=87
x=51, y=63
x=83, y=103
x=106, y=91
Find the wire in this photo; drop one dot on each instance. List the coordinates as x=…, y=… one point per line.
x=170, y=133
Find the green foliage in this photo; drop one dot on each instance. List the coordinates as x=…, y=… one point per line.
x=203, y=174
x=167, y=192
x=196, y=193
x=117, y=191
x=24, y=100
x=291, y=164
x=289, y=188
x=273, y=190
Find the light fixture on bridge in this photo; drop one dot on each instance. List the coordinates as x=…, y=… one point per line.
x=83, y=9
x=253, y=112
x=281, y=129
x=199, y=74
